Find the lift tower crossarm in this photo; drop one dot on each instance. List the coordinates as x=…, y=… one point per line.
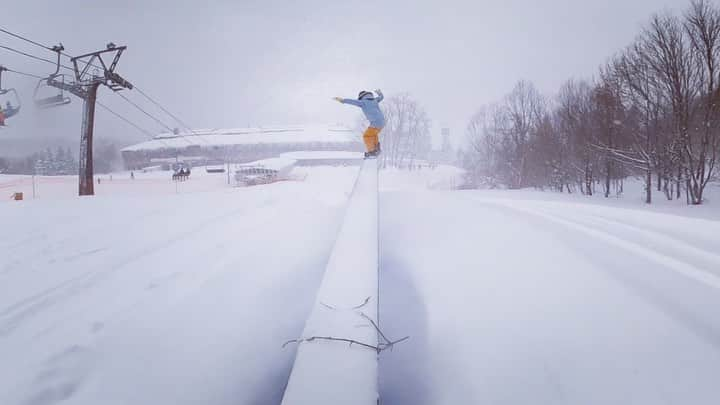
x=109, y=78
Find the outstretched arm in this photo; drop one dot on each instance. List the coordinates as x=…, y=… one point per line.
x=380, y=97
x=350, y=101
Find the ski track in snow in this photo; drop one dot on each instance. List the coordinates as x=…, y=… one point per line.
x=688, y=300
x=654, y=254
x=658, y=241
x=670, y=242
x=16, y=313
x=539, y=302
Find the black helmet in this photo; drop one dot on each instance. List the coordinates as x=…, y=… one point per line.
x=364, y=94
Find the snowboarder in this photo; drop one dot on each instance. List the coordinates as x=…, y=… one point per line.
x=2, y=117
x=371, y=108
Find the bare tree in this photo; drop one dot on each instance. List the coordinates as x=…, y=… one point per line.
x=644, y=104
x=406, y=136
x=485, y=159
x=702, y=25
x=573, y=112
x=609, y=117
x=666, y=50
x=500, y=136
x=525, y=108
x=655, y=109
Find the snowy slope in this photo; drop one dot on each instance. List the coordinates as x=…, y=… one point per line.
x=518, y=301
x=150, y=295
x=177, y=299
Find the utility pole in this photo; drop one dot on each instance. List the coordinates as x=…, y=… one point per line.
x=86, y=87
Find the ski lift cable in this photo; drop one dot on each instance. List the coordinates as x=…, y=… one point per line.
x=47, y=48
x=66, y=67
x=34, y=76
x=147, y=133
x=153, y=101
x=18, y=36
x=157, y=120
x=87, y=63
x=171, y=115
x=136, y=126
x=108, y=109
x=7, y=48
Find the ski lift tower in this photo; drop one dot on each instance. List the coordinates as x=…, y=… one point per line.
x=88, y=78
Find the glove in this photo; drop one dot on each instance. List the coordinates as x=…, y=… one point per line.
x=338, y=99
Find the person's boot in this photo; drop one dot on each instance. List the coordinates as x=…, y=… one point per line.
x=371, y=154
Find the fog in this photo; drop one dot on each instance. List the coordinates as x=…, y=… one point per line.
x=239, y=63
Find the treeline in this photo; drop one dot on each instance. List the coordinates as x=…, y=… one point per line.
x=406, y=138
x=60, y=162
x=652, y=110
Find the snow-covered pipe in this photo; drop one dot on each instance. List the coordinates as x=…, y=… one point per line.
x=336, y=362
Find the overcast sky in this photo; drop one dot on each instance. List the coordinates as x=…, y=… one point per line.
x=231, y=63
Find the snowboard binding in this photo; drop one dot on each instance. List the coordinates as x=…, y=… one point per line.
x=373, y=154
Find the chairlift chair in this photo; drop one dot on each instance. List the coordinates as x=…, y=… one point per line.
x=10, y=106
x=56, y=81
x=58, y=99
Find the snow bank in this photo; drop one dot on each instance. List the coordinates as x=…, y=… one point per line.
x=340, y=372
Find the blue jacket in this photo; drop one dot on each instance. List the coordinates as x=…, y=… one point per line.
x=371, y=109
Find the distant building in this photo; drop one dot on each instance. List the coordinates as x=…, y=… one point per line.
x=446, y=153
x=238, y=145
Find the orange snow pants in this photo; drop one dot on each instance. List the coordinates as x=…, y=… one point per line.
x=370, y=137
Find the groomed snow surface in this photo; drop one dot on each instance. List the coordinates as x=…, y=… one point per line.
x=148, y=294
